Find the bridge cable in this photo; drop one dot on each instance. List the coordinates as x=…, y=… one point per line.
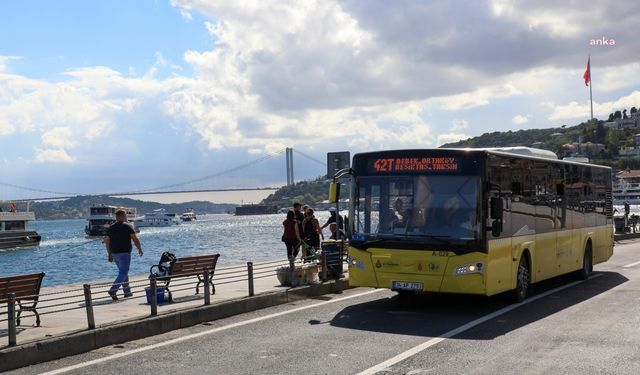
x=310, y=157
x=217, y=174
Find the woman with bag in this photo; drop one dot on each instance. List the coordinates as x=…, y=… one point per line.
x=291, y=236
x=312, y=231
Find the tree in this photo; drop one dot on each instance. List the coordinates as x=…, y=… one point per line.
x=633, y=110
x=611, y=118
x=624, y=113
x=618, y=114
x=601, y=133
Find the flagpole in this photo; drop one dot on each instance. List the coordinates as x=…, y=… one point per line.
x=590, y=88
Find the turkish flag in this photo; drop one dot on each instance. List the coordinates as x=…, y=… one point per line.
x=587, y=73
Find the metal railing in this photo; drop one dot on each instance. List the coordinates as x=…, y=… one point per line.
x=92, y=295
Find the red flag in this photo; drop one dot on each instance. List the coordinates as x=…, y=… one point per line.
x=587, y=73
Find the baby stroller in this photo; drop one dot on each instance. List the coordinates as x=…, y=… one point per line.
x=309, y=253
x=163, y=267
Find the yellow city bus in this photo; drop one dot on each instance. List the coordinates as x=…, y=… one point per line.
x=474, y=221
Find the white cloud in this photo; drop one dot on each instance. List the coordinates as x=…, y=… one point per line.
x=477, y=98
x=60, y=137
x=4, y=62
x=186, y=15
x=519, y=119
x=459, y=124
x=53, y=156
x=320, y=73
x=575, y=110
x=451, y=137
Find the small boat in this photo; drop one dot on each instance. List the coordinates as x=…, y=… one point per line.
x=189, y=215
x=158, y=218
x=14, y=230
x=101, y=217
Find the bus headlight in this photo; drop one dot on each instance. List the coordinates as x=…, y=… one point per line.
x=357, y=263
x=469, y=268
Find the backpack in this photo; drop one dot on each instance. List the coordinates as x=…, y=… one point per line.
x=163, y=267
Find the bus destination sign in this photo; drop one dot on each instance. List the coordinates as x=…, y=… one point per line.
x=422, y=164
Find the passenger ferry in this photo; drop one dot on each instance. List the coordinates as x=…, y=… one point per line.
x=101, y=217
x=188, y=216
x=626, y=188
x=158, y=218
x=14, y=231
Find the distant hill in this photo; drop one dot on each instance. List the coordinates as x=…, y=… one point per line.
x=78, y=207
x=527, y=137
x=306, y=192
x=554, y=139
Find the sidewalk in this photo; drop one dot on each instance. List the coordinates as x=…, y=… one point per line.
x=64, y=333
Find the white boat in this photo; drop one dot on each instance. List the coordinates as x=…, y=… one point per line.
x=101, y=217
x=189, y=215
x=158, y=218
x=626, y=188
x=14, y=230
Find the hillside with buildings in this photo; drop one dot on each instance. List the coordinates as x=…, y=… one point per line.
x=615, y=142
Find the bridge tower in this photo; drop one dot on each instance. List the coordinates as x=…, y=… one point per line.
x=289, y=154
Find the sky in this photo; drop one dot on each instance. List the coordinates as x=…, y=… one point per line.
x=134, y=95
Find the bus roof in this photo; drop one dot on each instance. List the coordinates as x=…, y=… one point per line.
x=521, y=152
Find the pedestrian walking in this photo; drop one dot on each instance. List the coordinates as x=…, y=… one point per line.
x=118, y=243
x=299, y=216
x=312, y=231
x=291, y=236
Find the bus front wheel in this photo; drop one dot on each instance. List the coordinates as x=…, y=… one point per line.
x=523, y=281
x=587, y=263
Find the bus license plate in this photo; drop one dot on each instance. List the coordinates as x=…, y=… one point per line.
x=405, y=285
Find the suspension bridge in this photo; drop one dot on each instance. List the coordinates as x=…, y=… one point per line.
x=33, y=193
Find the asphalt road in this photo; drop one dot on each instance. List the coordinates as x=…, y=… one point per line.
x=567, y=327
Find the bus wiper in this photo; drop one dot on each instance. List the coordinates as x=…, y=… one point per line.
x=441, y=239
x=367, y=244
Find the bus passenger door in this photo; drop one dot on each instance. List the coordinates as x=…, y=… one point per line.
x=545, y=259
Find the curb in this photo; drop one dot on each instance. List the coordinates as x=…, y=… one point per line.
x=626, y=236
x=83, y=341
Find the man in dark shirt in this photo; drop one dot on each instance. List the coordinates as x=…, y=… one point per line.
x=118, y=244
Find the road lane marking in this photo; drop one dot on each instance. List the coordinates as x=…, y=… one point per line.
x=203, y=333
x=631, y=265
x=456, y=331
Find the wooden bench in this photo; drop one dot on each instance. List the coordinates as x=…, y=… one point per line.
x=26, y=289
x=192, y=266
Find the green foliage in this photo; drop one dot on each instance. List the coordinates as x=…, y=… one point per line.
x=306, y=192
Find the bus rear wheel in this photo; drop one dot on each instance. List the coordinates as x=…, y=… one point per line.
x=523, y=281
x=587, y=263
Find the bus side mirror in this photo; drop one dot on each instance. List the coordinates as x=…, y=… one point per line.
x=334, y=192
x=496, y=208
x=496, y=228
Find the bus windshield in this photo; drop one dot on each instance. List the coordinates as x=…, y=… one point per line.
x=439, y=209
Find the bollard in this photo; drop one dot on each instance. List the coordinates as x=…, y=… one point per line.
x=11, y=311
x=207, y=291
x=323, y=257
x=154, y=295
x=250, y=277
x=88, y=303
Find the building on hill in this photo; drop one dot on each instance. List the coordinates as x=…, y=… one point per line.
x=633, y=151
x=587, y=148
x=631, y=122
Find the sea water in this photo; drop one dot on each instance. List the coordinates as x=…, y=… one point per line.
x=67, y=255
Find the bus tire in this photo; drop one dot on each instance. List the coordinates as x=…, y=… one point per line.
x=587, y=263
x=523, y=280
